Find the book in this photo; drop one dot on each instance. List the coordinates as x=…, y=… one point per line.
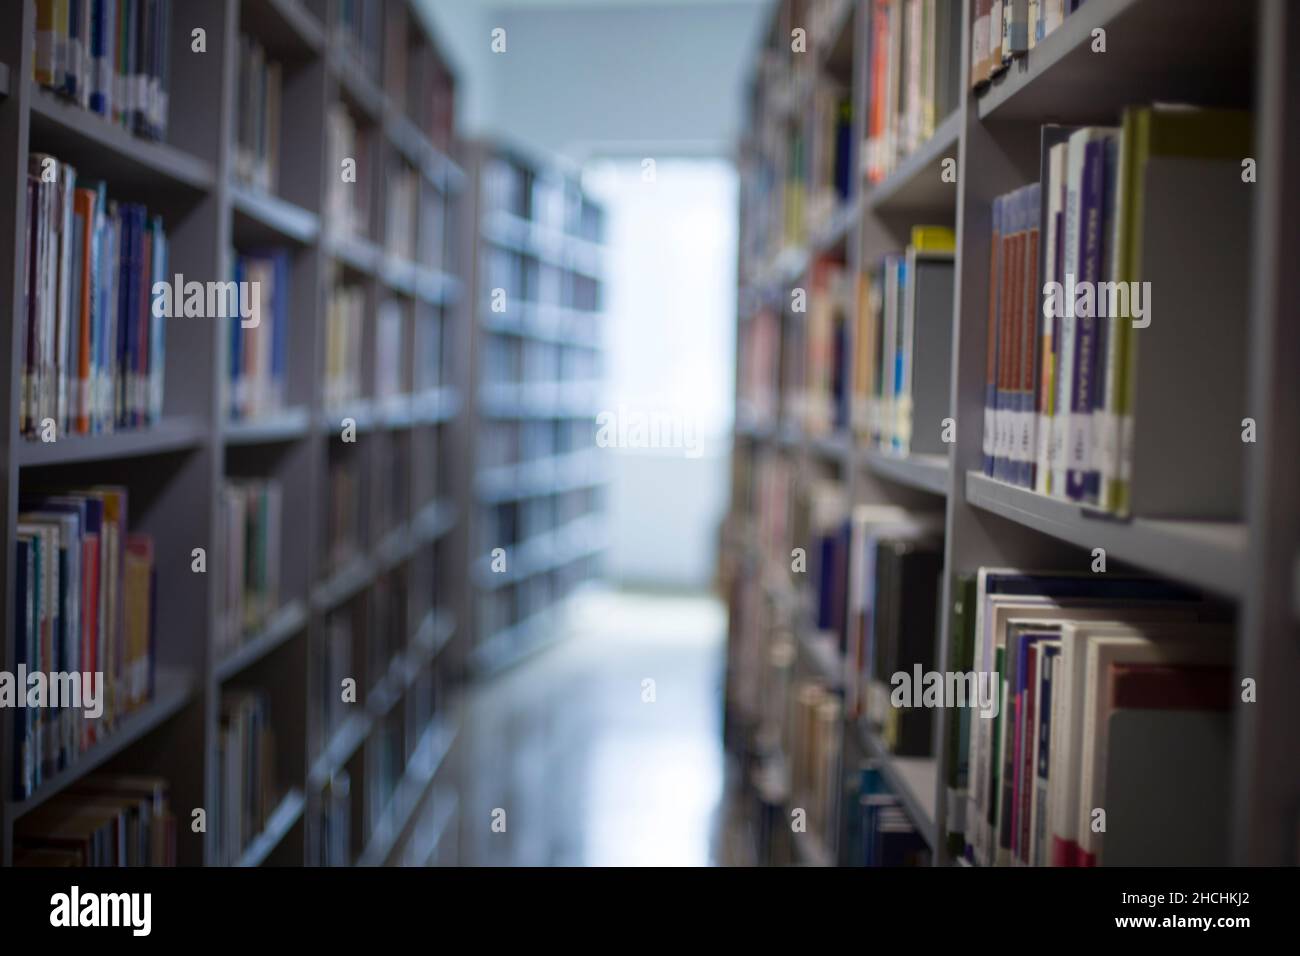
x=110, y=57
x=250, y=520
x=94, y=350
x=256, y=382
x=101, y=820
x=257, y=128
x=86, y=595
x=912, y=82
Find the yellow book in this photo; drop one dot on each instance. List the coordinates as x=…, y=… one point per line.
x=933, y=239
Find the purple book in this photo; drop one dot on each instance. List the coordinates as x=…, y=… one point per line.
x=1083, y=484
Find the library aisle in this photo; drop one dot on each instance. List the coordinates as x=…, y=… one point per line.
x=592, y=765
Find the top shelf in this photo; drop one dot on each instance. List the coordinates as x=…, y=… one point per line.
x=1190, y=51
x=285, y=27
x=100, y=149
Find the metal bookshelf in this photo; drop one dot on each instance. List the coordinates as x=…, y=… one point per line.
x=175, y=471
x=1199, y=51
x=550, y=324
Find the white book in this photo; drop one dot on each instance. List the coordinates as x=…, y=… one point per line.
x=1108, y=643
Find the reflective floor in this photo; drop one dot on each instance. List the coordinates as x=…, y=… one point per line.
x=605, y=749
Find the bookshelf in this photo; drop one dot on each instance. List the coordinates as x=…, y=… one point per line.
x=1210, y=53
x=534, y=297
x=399, y=584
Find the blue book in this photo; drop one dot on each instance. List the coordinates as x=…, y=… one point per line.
x=100, y=80
x=157, y=325
x=22, y=657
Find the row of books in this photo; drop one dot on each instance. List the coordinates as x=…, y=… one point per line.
x=343, y=511
x=1073, y=407
x=100, y=820
x=111, y=57
x=247, y=789
x=333, y=665
x=344, y=321
x=333, y=842
x=813, y=745
x=878, y=831
x=251, y=516
x=1005, y=29
x=350, y=149
x=1111, y=740
x=92, y=339
x=833, y=152
x=257, y=132
x=903, y=346
x=259, y=353
x=895, y=564
x=830, y=300
x=86, y=606
x=551, y=201
x=913, y=81
x=414, y=217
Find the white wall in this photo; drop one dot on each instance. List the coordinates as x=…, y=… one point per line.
x=670, y=308
x=603, y=76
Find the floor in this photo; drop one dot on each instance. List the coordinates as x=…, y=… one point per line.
x=606, y=748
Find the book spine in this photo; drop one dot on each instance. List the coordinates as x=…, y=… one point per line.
x=1081, y=477
x=994, y=327
x=1030, y=359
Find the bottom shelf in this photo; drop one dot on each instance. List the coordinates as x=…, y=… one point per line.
x=281, y=821
x=430, y=754
x=914, y=780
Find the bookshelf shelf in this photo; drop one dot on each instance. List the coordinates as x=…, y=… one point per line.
x=507, y=647
x=823, y=652
x=285, y=426
x=281, y=627
x=344, y=583
x=914, y=779
x=1201, y=52
x=834, y=447
x=342, y=745
x=261, y=217
x=283, y=819
x=97, y=147
x=179, y=473
x=357, y=254
x=356, y=87
x=169, y=435
x=172, y=691
x=285, y=26
x=1206, y=554
x=544, y=552
x=446, y=807
x=923, y=472
x=1199, y=60
x=916, y=187
x=430, y=755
